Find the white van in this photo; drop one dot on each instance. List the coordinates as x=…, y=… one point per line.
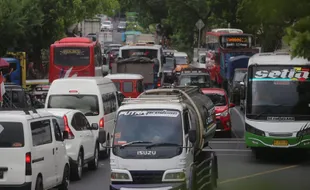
x=96, y=97
x=33, y=153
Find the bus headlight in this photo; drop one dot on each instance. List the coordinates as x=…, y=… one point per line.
x=253, y=130
x=120, y=175
x=174, y=175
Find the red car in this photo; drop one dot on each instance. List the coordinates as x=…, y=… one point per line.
x=220, y=99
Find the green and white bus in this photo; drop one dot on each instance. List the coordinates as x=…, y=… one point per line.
x=277, y=102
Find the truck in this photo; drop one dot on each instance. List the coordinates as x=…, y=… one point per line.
x=90, y=26
x=144, y=66
x=160, y=141
x=18, y=63
x=104, y=39
x=276, y=92
x=146, y=38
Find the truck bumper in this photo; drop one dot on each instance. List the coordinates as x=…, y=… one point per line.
x=162, y=186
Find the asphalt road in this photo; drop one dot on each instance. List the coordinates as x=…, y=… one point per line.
x=238, y=169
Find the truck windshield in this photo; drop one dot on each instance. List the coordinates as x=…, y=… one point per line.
x=278, y=90
x=239, y=75
x=72, y=56
x=88, y=104
x=150, y=53
x=202, y=81
x=181, y=60
x=154, y=126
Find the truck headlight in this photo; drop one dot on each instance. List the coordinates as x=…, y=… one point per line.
x=120, y=175
x=170, y=176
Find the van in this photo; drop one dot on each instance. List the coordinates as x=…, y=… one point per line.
x=33, y=153
x=96, y=97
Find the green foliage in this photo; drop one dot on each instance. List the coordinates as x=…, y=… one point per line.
x=31, y=25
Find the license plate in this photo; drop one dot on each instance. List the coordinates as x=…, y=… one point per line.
x=280, y=142
x=1, y=174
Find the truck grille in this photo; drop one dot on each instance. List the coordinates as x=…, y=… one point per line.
x=147, y=177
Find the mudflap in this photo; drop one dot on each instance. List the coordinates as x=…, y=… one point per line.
x=206, y=170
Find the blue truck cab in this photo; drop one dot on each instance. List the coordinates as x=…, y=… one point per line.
x=16, y=75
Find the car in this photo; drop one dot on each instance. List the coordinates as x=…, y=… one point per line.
x=222, y=109
x=121, y=26
x=168, y=67
x=32, y=149
x=106, y=25
x=82, y=144
x=194, y=77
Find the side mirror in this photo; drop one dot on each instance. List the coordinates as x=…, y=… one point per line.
x=232, y=105
x=192, y=136
x=102, y=137
x=94, y=126
x=65, y=135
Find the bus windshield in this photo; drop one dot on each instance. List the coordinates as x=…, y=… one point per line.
x=278, y=90
x=150, y=53
x=72, y=56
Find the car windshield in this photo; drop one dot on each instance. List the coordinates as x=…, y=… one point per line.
x=88, y=104
x=122, y=23
x=11, y=135
x=217, y=99
x=239, y=75
x=181, y=60
x=106, y=23
x=154, y=126
x=169, y=63
x=278, y=90
x=202, y=81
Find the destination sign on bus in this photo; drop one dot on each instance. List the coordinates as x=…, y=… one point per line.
x=236, y=41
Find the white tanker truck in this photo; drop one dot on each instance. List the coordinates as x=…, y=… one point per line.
x=159, y=141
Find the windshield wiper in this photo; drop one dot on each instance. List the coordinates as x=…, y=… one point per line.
x=133, y=142
x=271, y=107
x=162, y=144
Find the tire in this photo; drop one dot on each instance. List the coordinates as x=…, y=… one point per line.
x=213, y=177
x=77, y=168
x=39, y=183
x=65, y=179
x=93, y=165
x=106, y=153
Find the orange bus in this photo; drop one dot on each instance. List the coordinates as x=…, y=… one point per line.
x=75, y=56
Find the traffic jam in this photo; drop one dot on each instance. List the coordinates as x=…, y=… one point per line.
x=150, y=110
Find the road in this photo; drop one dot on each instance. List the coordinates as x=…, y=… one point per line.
x=238, y=169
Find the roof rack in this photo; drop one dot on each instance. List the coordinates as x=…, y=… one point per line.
x=26, y=110
x=167, y=94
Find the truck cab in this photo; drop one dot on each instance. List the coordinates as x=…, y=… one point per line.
x=153, y=145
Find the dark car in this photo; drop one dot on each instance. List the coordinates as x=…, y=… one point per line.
x=234, y=85
x=168, y=68
x=194, y=77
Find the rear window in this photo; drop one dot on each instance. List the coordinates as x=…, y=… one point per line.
x=72, y=56
x=127, y=86
x=11, y=135
x=150, y=53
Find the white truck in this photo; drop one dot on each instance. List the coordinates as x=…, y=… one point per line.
x=146, y=38
x=158, y=141
x=276, y=93
x=90, y=26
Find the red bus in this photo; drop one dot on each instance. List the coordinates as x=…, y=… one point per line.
x=75, y=56
x=223, y=44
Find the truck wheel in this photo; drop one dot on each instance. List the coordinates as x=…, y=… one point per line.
x=213, y=178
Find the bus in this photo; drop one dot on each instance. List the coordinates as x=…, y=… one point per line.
x=223, y=44
x=75, y=56
x=277, y=102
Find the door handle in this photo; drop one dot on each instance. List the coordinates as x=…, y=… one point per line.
x=56, y=148
x=53, y=151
